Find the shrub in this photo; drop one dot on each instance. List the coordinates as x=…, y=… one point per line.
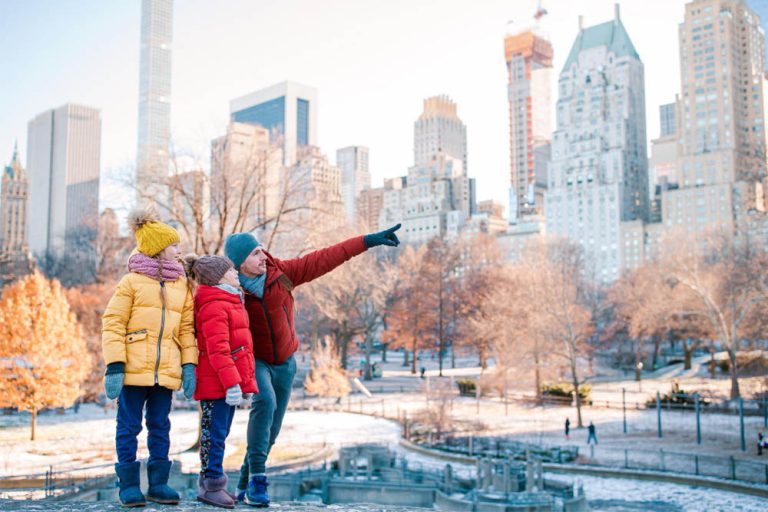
x=565, y=389
x=677, y=396
x=467, y=387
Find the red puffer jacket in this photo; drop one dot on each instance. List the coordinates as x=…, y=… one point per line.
x=271, y=318
x=224, y=343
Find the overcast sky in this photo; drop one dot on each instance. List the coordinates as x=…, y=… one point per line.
x=372, y=61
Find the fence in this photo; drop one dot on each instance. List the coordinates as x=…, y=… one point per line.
x=727, y=467
x=730, y=468
x=54, y=482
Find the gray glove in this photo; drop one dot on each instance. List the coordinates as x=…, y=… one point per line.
x=234, y=396
x=188, y=380
x=114, y=378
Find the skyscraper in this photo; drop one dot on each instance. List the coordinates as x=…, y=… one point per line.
x=662, y=166
x=246, y=178
x=529, y=68
x=355, y=176
x=154, y=99
x=598, y=176
x=313, y=203
x=760, y=7
x=437, y=199
x=439, y=130
x=369, y=206
x=722, y=122
x=288, y=110
x=14, y=211
x=63, y=161
x=667, y=119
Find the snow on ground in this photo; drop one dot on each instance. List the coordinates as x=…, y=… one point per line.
x=343, y=429
x=69, y=441
x=639, y=495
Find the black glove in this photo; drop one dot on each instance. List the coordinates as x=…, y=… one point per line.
x=386, y=237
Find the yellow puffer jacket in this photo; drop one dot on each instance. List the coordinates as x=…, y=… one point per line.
x=133, y=322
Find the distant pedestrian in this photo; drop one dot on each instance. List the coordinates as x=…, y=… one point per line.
x=592, y=435
x=762, y=442
x=568, y=428
x=422, y=371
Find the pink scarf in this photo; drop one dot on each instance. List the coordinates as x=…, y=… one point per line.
x=162, y=270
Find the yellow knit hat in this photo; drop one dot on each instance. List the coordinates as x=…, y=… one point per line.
x=152, y=236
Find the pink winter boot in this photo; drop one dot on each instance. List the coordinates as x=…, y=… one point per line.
x=213, y=491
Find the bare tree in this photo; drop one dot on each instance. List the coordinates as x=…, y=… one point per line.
x=555, y=285
x=246, y=190
x=479, y=273
x=326, y=376
x=644, y=301
x=726, y=282
x=439, y=282
x=407, y=310
x=352, y=298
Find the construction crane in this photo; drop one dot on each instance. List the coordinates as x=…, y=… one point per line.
x=540, y=11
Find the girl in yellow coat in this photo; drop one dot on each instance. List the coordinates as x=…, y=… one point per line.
x=150, y=351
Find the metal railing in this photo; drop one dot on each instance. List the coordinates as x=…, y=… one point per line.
x=52, y=482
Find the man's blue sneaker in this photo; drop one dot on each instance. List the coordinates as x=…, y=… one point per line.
x=256, y=494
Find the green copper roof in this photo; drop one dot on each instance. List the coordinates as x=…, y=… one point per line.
x=11, y=168
x=611, y=34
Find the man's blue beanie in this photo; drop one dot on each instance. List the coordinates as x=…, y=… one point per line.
x=238, y=246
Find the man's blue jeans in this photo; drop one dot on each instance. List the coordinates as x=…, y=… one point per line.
x=267, y=412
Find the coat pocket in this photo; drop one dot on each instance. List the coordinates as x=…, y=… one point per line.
x=237, y=352
x=135, y=336
x=137, y=351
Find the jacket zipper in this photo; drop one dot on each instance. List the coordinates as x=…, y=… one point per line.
x=288, y=319
x=160, y=336
x=271, y=332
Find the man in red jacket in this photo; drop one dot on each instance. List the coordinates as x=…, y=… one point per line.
x=268, y=283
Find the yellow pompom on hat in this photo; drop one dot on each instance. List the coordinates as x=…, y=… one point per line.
x=152, y=236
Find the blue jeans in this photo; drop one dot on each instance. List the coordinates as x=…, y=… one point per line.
x=130, y=405
x=215, y=423
x=267, y=412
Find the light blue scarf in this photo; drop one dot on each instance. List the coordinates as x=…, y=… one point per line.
x=254, y=285
x=231, y=289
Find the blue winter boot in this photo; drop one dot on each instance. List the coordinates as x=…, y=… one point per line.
x=157, y=475
x=128, y=482
x=256, y=494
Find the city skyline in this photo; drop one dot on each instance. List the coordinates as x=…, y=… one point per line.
x=355, y=107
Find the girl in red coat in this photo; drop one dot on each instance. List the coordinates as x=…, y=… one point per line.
x=225, y=371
